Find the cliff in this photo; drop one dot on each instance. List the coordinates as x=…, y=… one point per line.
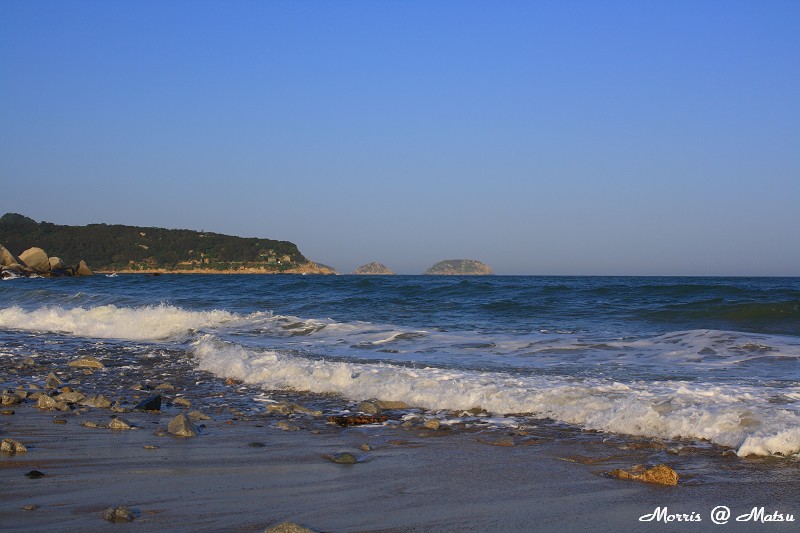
x=119, y=248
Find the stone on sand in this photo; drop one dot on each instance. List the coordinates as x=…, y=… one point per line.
x=96, y=400
x=288, y=527
x=12, y=446
x=660, y=474
x=118, y=514
x=181, y=426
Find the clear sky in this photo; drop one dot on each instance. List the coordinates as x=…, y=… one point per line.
x=541, y=137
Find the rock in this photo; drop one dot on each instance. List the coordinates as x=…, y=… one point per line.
x=288, y=527
x=165, y=386
x=152, y=403
x=660, y=474
x=12, y=446
x=46, y=403
x=70, y=397
x=389, y=405
x=96, y=400
x=119, y=423
x=369, y=407
x=150, y=447
x=286, y=426
x=257, y=445
x=432, y=424
x=52, y=381
x=35, y=474
x=29, y=507
x=7, y=412
x=86, y=361
x=181, y=426
x=9, y=398
x=233, y=381
x=7, y=259
x=373, y=269
x=118, y=514
x=56, y=263
x=183, y=402
x=90, y=424
x=35, y=258
x=359, y=420
x=288, y=408
x=459, y=267
x=365, y=447
x=59, y=421
x=197, y=415
x=343, y=458
x=83, y=269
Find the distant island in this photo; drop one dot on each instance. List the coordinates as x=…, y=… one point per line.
x=459, y=267
x=134, y=249
x=373, y=269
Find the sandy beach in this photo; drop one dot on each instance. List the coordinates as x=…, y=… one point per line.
x=246, y=472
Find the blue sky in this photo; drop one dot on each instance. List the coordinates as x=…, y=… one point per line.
x=552, y=137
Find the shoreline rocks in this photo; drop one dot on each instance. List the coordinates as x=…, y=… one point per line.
x=35, y=262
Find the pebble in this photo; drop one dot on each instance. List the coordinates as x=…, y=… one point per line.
x=365, y=447
x=7, y=412
x=59, y=421
x=29, y=507
x=35, y=474
x=257, y=445
x=150, y=447
x=183, y=402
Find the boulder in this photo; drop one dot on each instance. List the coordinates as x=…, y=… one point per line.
x=83, y=269
x=35, y=258
x=660, y=475
x=70, y=397
x=9, y=398
x=46, y=403
x=57, y=264
x=7, y=259
x=181, y=426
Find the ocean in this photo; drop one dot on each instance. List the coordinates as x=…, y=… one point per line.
x=705, y=361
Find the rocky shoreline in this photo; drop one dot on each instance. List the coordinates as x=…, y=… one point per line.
x=36, y=262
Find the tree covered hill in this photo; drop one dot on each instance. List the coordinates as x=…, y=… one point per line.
x=132, y=248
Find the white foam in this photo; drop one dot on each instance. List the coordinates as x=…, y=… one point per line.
x=148, y=323
x=737, y=416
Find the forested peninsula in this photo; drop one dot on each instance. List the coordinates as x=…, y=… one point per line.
x=130, y=249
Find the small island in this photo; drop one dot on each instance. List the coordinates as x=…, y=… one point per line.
x=459, y=267
x=373, y=269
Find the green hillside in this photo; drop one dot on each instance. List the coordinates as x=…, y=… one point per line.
x=117, y=247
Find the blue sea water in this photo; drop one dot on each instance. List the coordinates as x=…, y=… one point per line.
x=714, y=359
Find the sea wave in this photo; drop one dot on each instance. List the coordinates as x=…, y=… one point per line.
x=146, y=323
x=747, y=418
